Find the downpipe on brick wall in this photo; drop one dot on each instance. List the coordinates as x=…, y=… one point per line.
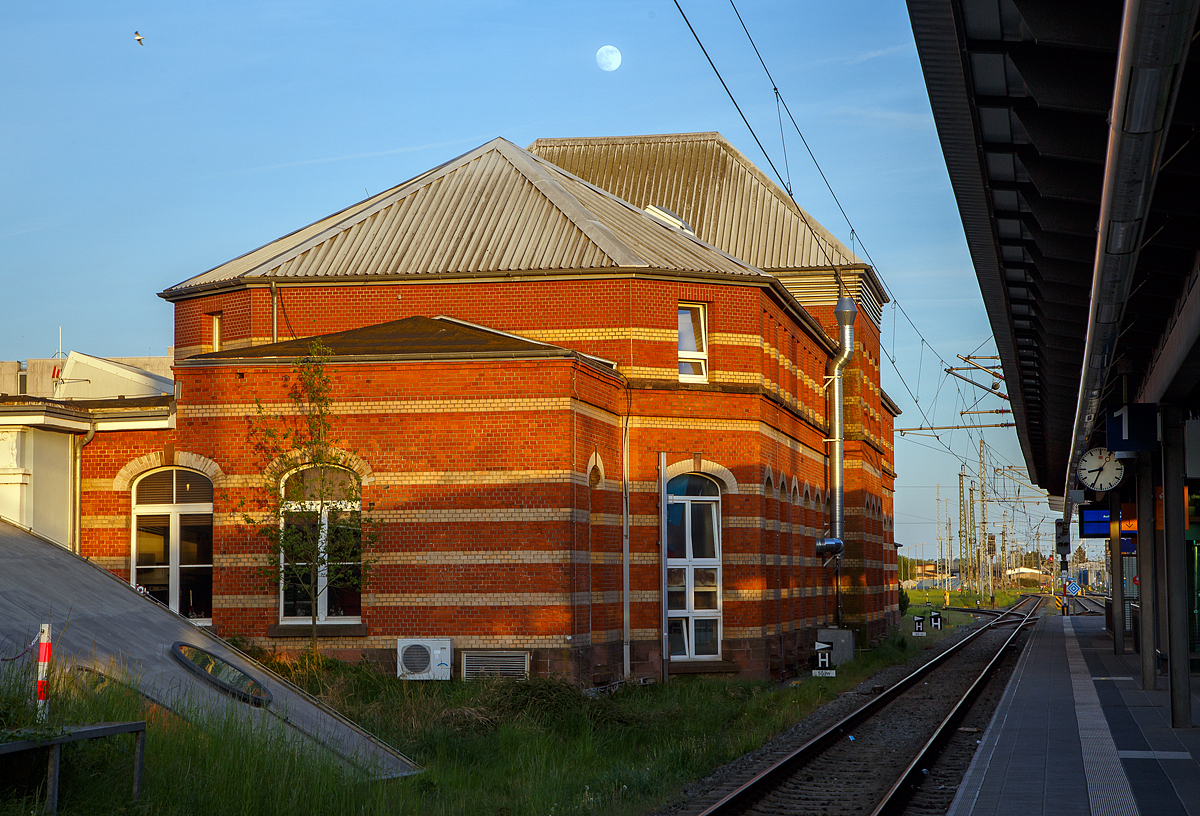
x=846, y=312
x=77, y=516
x=626, y=625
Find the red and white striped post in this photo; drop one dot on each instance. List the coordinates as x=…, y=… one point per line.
x=43, y=685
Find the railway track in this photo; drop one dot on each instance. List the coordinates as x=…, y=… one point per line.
x=1089, y=605
x=871, y=761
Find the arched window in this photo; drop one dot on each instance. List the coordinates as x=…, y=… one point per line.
x=693, y=567
x=172, y=542
x=317, y=505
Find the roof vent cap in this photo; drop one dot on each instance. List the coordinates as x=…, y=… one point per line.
x=669, y=218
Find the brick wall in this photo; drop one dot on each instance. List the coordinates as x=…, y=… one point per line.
x=498, y=483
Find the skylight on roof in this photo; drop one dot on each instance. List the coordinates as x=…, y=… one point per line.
x=669, y=218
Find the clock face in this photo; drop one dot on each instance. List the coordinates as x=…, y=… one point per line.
x=1100, y=469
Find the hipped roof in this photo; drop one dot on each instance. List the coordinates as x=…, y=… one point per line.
x=724, y=197
x=495, y=210
x=411, y=338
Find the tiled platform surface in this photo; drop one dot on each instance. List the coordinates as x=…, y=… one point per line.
x=1076, y=734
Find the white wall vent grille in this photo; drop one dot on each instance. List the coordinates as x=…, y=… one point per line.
x=477, y=665
x=423, y=658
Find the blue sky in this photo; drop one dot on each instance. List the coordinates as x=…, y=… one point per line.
x=130, y=168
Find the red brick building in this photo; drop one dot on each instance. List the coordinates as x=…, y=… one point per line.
x=543, y=388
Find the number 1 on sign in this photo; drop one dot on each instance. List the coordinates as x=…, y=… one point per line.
x=1123, y=413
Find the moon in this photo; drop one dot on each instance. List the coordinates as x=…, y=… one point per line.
x=608, y=58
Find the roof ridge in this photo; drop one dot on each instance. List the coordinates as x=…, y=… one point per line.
x=646, y=138
x=820, y=232
x=543, y=180
x=350, y=212
x=814, y=226
x=639, y=212
x=385, y=200
x=519, y=159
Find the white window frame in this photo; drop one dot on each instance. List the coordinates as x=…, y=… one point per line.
x=323, y=509
x=690, y=564
x=700, y=356
x=173, y=512
x=216, y=331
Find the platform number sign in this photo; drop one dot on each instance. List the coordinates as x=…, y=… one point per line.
x=1133, y=427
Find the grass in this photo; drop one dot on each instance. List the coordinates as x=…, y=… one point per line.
x=199, y=763
x=936, y=598
x=499, y=747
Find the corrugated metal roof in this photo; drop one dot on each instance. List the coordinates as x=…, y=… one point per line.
x=814, y=287
x=497, y=209
x=729, y=202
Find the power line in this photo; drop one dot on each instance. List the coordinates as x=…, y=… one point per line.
x=730, y=94
x=853, y=232
x=821, y=243
x=817, y=238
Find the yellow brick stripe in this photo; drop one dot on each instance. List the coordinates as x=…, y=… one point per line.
x=104, y=522
x=226, y=561
x=263, y=601
x=111, y=562
x=622, y=333
x=468, y=599
x=357, y=407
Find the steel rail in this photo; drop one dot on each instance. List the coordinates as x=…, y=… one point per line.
x=1089, y=604
x=750, y=792
x=897, y=798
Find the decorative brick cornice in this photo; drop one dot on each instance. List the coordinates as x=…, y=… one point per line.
x=720, y=472
x=185, y=459
x=295, y=460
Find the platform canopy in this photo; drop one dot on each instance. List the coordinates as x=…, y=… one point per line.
x=1021, y=92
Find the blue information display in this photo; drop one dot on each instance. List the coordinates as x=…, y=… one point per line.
x=1093, y=521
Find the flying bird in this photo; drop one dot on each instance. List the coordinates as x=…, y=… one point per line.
x=139, y=38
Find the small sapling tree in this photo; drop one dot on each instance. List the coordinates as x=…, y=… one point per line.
x=319, y=542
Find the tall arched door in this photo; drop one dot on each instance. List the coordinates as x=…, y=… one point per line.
x=693, y=567
x=172, y=546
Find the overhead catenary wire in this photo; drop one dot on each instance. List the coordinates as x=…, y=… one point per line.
x=787, y=187
x=972, y=429
x=821, y=244
x=824, y=178
x=853, y=232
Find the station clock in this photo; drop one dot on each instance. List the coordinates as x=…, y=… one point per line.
x=1100, y=469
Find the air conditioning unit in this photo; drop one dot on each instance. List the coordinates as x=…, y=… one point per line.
x=477, y=665
x=423, y=658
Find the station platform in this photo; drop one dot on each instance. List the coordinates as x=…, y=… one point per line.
x=1075, y=734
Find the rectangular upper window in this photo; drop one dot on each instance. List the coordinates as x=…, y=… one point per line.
x=216, y=331
x=693, y=343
